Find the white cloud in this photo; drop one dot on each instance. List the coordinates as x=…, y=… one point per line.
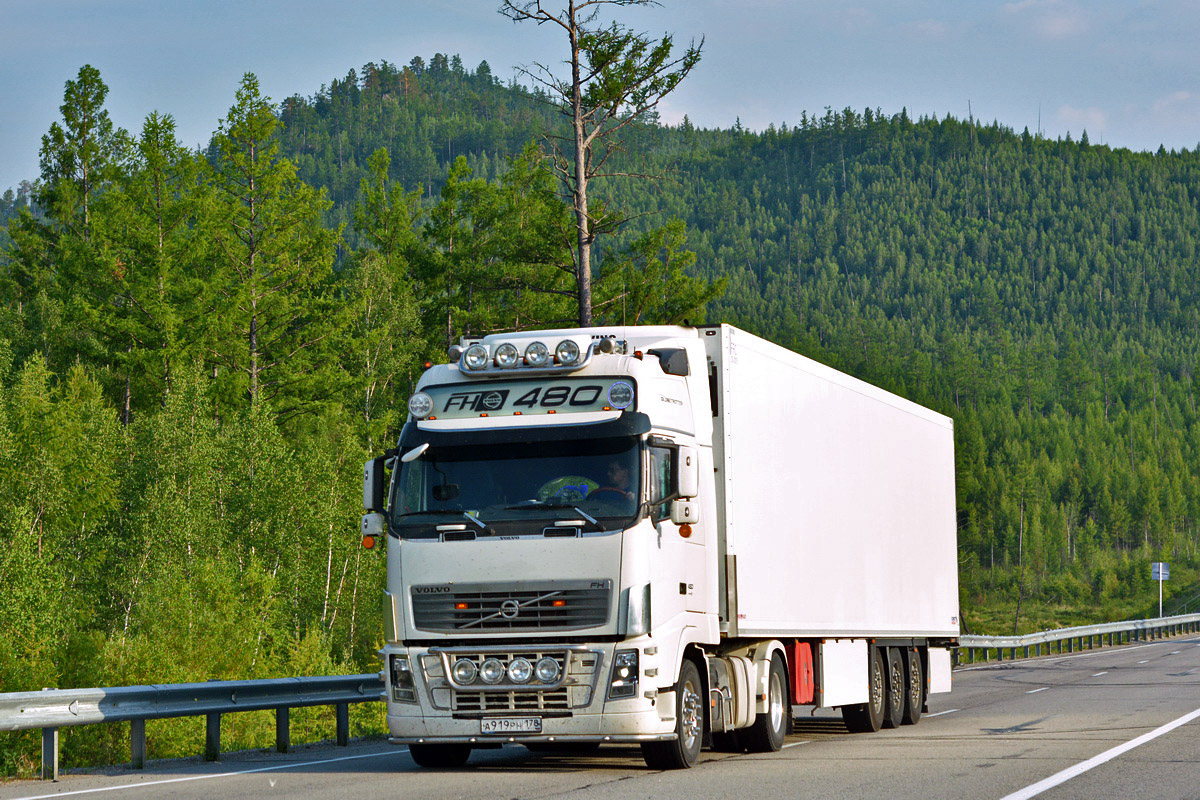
x=1176, y=101
x=1051, y=19
x=1080, y=119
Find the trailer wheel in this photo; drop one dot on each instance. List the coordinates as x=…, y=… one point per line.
x=868, y=717
x=767, y=733
x=914, y=699
x=897, y=689
x=684, y=750
x=440, y=756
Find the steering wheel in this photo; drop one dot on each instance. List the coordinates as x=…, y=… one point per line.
x=609, y=494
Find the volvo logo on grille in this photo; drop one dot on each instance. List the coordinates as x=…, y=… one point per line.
x=509, y=609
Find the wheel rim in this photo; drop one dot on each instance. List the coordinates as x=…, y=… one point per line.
x=877, y=685
x=776, y=700
x=914, y=684
x=691, y=713
x=896, y=696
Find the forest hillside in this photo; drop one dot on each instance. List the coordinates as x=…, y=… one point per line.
x=191, y=378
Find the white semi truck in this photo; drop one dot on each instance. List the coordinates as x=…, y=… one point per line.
x=662, y=535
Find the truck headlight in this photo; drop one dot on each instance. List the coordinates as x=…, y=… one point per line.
x=547, y=670
x=491, y=671
x=464, y=671
x=404, y=688
x=624, y=681
x=520, y=670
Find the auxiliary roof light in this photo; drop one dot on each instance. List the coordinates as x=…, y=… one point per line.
x=476, y=356
x=567, y=352
x=537, y=354
x=507, y=356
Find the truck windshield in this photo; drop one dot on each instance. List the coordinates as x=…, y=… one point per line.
x=519, y=488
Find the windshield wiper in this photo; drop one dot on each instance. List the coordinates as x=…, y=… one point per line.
x=458, y=512
x=546, y=504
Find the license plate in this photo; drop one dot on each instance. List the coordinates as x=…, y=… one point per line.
x=511, y=725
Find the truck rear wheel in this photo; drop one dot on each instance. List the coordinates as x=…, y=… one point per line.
x=868, y=717
x=684, y=751
x=897, y=686
x=914, y=700
x=767, y=733
x=440, y=756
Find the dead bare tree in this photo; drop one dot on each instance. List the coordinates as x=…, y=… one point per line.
x=617, y=76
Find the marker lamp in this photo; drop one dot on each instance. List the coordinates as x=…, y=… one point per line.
x=420, y=405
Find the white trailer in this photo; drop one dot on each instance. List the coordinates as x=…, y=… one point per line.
x=777, y=533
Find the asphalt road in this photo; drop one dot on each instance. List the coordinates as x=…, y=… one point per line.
x=1116, y=723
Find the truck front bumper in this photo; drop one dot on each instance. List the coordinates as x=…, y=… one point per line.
x=574, y=708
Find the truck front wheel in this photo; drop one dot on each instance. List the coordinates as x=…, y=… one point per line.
x=684, y=751
x=769, y=729
x=440, y=756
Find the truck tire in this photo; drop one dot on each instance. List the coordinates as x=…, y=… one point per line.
x=897, y=689
x=868, y=717
x=767, y=733
x=914, y=699
x=440, y=756
x=684, y=751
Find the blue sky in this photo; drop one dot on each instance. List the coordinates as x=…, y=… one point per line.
x=1127, y=71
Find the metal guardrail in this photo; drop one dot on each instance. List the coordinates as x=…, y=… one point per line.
x=1072, y=639
x=51, y=709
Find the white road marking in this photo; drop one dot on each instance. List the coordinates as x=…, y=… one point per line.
x=1095, y=761
x=1143, y=662
x=793, y=744
x=1098, y=674
x=275, y=768
x=1174, y=652
x=938, y=714
x=1035, y=691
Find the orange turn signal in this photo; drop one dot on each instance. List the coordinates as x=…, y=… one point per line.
x=685, y=530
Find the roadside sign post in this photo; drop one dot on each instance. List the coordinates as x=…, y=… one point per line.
x=1160, y=571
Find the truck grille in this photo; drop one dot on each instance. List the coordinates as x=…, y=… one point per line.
x=494, y=607
x=558, y=700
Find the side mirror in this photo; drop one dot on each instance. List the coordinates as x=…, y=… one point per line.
x=687, y=476
x=685, y=512
x=375, y=484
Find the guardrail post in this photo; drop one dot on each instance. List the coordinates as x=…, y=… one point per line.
x=50, y=754
x=137, y=744
x=212, y=737
x=343, y=724
x=283, y=733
